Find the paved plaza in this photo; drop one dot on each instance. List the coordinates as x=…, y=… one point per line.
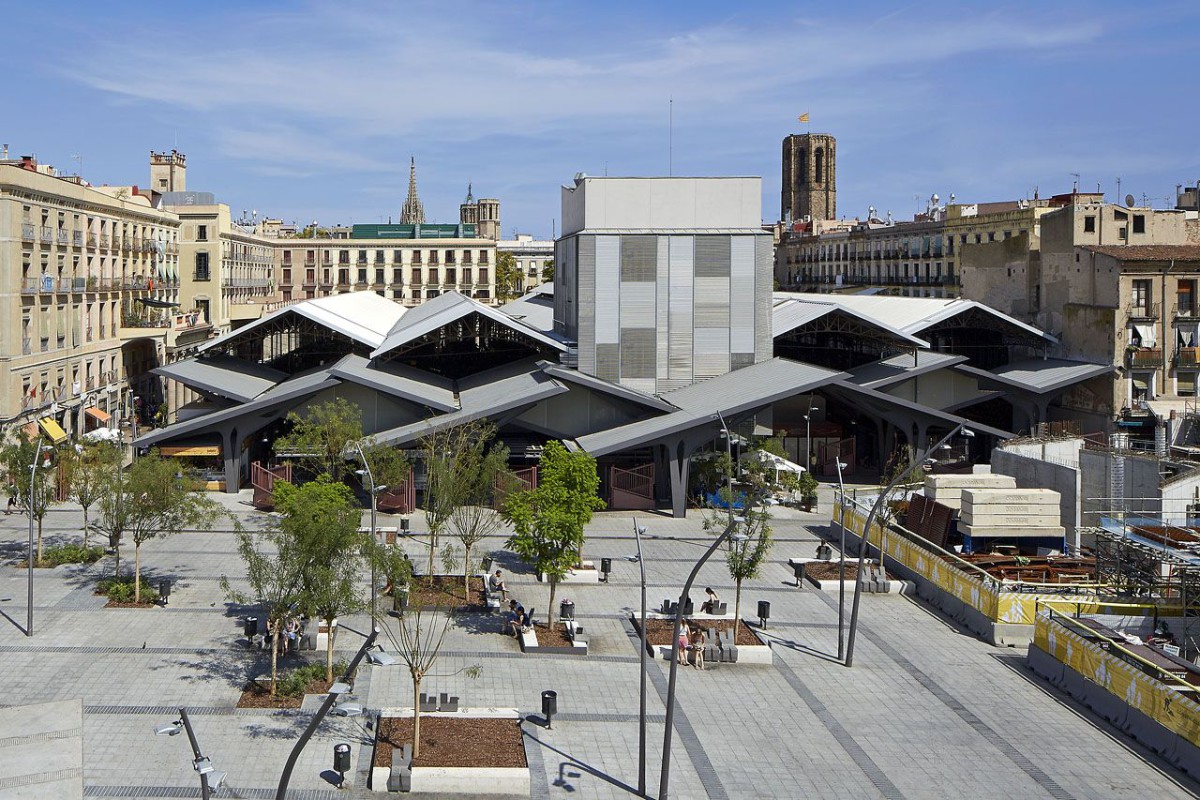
x=927, y=711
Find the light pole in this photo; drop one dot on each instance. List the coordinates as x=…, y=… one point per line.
x=374, y=491
x=638, y=530
x=340, y=687
x=201, y=763
x=665, y=775
x=37, y=458
x=808, y=436
x=842, y=559
x=863, y=542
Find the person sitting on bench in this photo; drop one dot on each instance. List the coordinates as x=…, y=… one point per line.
x=711, y=602
x=511, y=619
x=527, y=621
x=496, y=586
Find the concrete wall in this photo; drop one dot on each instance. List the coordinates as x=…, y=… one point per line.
x=680, y=203
x=1047, y=465
x=941, y=389
x=1004, y=274
x=1140, y=487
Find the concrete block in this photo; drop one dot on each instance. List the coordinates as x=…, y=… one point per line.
x=1012, y=532
x=986, y=520
x=1026, y=496
x=962, y=481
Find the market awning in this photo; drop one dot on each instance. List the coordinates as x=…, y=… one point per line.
x=150, y=301
x=100, y=416
x=51, y=428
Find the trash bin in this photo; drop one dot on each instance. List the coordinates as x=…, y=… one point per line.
x=251, y=627
x=824, y=551
x=764, y=611
x=164, y=589
x=549, y=705
x=341, y=758
x=798, y=571
x=605, y=566
x=566, y=610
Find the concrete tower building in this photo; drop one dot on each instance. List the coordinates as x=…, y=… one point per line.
x=809, y=177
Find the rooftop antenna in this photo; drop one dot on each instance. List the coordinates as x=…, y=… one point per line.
x=1075, y=183
x=670, y=136
x=1118, y=186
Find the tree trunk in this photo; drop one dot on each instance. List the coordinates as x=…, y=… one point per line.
x=329, y=649
x=274, y=655
x=550, y=610
x=432, y=555
x=39, y=542
x=467, y=573
x=137, y=571
x=737, y=606
x=117, y=559
x=416, y=679
x=85, y=527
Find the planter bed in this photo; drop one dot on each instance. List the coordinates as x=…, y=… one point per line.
x=257, y=694
x=751, y=649
x=471, y=752
x=551, y=639
x=446, y=591
x=824, y=576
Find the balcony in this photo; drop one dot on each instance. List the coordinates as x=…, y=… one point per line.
x=26, y=346
x=1187, y=357
x=1145, y=358
x=1143, y=312
x=1186, y=311
x=27, y=231
x=62, y=235
x=47, y=234
x=104, y=241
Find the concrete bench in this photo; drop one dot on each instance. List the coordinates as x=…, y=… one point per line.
x=400, y=778
x=575, y=631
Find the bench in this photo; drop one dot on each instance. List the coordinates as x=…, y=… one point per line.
x=444, y=702
x=493, y=598
x=672, y=606
x=400, y=778
x=575, y=631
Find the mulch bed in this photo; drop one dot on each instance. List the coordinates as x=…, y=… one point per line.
x=828, y=570
x=258, y=695
x=658, y=631
x=143, y=604
x=551, y=635
x=453, y=741
x=446, y=591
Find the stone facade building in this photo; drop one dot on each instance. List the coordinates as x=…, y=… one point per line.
x=809, y=177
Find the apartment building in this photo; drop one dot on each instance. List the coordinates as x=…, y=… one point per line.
x=531, y=256
x=80, y=268
x=407, y=263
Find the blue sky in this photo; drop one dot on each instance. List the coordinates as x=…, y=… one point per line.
x=310, y=110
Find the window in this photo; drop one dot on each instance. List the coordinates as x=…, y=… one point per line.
x=433, y=276
x=202, y=307
x=483, y=275
x=991, y=237
x=451, y=275
x=343, y=256
x=398, y=276
x=1139, y=223
x=1185, y=298
x=343, y=277
x=1089, y=224
x=466, y=276
x=416, y=276
x=978, y=238
x=362, y=276
x=201, y=267
x=1141, y=298
x=1122, y=232
x=202, y=233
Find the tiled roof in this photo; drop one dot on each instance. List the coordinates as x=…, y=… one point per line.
x=1149, y=252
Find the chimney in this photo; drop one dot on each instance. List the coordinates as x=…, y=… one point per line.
x=29, y=163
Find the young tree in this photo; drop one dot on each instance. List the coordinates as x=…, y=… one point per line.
x=89, y=469
x=417, y=642
x=453, y=459
x=151, y=499
x=548, y=521
x=548, y=271
x=509, y=280
x=323, y=438
x=18, y=460
x=475, y=519
x=744, y=557
x=897, y=465
x=322, y=520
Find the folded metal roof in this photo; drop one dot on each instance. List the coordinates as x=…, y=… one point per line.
x=362, y=316
x=790, y=313
x=898, y=368
x=444, y=309
x=535, y=309
x=864, y=396
x=604, y=387
x=398, y=380
x=223, y=375
x=1040, y=375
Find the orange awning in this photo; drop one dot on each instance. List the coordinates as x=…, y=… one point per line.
x=100, y=416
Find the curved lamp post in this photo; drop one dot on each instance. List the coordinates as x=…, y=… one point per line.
x=374, y=492
x=841, y=559
x=37, y=459
x=864, y=542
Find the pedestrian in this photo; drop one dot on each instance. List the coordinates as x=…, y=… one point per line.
x=682, y=644
x=12, y=500
x=697, y=644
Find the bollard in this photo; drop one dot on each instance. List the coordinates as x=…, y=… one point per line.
x=549, y=705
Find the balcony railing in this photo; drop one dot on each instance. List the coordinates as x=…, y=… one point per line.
x=1186, y=311
x=77, y=238
x=47, y=234
x=1187, y=357
x=1145, y=357
x=104, y=240
x=1146, y=311
x=62, y=235
x=27, y=231
x=26, y=346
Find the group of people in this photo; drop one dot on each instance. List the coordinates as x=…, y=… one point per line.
x=289, y=634
x=515, y=619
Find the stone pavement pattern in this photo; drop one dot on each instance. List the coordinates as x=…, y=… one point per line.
x=926, y=712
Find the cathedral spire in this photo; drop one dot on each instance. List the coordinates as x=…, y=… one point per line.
x=413, y=212
x=470, y=195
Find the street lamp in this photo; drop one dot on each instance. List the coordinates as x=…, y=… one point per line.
x=209, y=777
x=638, y=530
x=339, y=688
x=728, y=533
x=808, y=435
x=37, y=459
x=841, y=559
x=374, y=492
x=863, y=542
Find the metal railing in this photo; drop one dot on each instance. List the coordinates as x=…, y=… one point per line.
x=27, y=231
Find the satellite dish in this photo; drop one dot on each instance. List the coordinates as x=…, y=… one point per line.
x=1129, y=200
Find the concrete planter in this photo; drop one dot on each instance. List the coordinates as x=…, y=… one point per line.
x=466, y=781
x=587, y=573
x=529, y=645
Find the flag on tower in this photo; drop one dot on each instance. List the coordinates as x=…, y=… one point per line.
x=803, y=117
